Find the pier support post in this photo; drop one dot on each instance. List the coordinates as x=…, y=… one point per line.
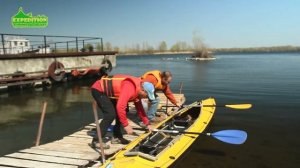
x=38, y=138
x=45, y=43
x=3, y=45
x=98, y=131
x=181, y=84
x=101, y=44
x=83, y=44
x=76, y=44
x=67, y=46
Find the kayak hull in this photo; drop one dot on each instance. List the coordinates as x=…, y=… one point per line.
x=167, y=148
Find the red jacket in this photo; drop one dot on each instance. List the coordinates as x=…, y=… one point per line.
x=125, y=90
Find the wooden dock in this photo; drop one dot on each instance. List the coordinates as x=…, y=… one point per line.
x=74, y=150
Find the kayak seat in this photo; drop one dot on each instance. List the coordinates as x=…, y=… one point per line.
x=157, y=148
x=155, y=139
x=183, y=121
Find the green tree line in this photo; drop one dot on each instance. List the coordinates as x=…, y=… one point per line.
x=287, y=48
x=179, y=46
x=182, y=46
x=197, y=45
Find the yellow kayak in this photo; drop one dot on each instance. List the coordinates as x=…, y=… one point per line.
x=163, y=148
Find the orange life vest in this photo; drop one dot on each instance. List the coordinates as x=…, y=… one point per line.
x=157, y=75
x=111, y=85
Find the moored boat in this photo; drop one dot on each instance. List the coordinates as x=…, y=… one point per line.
x=163, y=147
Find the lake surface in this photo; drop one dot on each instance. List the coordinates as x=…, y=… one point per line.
x=268, y=81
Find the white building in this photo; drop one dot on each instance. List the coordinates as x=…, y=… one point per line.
x=17, y=45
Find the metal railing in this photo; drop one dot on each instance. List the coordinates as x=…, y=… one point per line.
x=43, y=44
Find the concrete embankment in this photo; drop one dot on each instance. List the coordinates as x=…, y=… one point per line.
x=55, y=66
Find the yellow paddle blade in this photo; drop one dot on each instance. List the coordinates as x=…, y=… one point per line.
x=239, y=106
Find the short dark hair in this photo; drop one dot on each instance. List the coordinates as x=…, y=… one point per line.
x=166, y=74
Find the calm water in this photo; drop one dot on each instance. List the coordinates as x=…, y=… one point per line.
x=269, y=81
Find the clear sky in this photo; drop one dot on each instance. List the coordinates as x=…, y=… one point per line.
x=220, y=23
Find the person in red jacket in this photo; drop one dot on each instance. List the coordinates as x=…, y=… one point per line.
x=161, y=81
x=112, y=94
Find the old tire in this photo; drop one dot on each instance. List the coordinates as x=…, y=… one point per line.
x=56, y=71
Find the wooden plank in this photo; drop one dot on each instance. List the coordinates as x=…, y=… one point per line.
x=71, y=150
x=115, y=145
x=178, y=97
x=97, y=165
x=83, y=131
x=85, y=142
x=112, y=150
x=93, y=124
x=67, y=149
x=64, y=145
x=81, y=140
x=80, y=136
x=86, y=156
x=51, y=159
x=73, y=144
x=89, y=127
x=29, y=163
x=66, y=141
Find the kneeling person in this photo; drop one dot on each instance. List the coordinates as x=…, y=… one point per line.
x=161, y=81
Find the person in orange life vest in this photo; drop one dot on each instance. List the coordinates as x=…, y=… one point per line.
x=112, y=93
x=161, y=81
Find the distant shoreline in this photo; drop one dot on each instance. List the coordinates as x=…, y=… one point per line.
x=257, y=52
x=156, y=53
x=214, y=53
x=250, y=50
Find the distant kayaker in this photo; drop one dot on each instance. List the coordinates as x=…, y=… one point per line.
x=112, y=94
x=161, y=81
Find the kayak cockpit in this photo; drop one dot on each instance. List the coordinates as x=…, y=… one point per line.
x=156, y=142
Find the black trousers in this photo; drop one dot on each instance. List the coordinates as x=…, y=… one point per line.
x=108, y=108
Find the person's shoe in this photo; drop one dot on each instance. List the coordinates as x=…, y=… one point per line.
x=95, y=144
x=119, y=141
x=92, y=133
x=104, y=139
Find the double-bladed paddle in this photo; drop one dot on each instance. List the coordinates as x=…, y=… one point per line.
x=233, y=106
x=228, y=136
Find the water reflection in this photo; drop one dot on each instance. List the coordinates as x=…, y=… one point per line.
x=17, y=106
x=69, y=108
